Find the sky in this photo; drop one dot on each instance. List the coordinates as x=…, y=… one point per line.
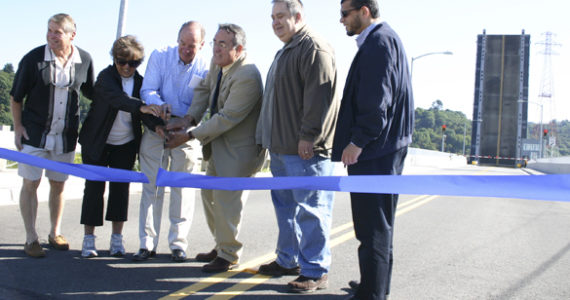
x=423, y=26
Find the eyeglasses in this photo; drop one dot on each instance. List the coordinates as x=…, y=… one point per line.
x=222, y=45
x=345, y=13
x=132, y=63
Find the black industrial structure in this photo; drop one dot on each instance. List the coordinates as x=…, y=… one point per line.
x=500, y=108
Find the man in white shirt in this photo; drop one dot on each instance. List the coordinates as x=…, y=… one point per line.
x=170, y=78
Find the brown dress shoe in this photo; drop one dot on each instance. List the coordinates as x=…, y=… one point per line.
x=207, y=257
x=58, y=242
x=218, y=265
x=274, y=269
x=308, y=285
x=34, y=249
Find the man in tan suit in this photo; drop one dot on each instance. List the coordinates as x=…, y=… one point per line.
x=233, y=91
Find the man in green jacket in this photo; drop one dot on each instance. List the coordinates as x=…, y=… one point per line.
x=296, y=125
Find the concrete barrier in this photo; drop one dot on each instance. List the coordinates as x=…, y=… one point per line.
x=555, y=165
x=430, y=158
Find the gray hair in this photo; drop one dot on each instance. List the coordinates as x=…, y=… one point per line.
x=127, y=47
x=65, y=21
x=239, y=34
x=190, y=23
x=294, y=6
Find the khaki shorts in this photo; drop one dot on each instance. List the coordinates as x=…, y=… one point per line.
x=34, y=173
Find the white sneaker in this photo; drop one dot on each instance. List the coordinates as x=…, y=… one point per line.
x=88, y=250
x=116, y=249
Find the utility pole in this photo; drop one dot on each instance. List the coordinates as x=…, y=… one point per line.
x=443, y=127
x=546, y=92
x=122, y=18
x=464, y=134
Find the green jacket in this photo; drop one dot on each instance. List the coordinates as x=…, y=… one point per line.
x=306, y=103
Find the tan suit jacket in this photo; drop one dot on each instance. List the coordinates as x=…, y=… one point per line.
x=230, y=133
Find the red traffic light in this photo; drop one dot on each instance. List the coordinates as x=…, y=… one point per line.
x=545, y=132
x=443, y=127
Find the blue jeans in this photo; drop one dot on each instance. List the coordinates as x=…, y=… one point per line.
x=303, y=216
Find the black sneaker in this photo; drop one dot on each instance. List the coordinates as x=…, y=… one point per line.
x=143, y=255
x=178, y=255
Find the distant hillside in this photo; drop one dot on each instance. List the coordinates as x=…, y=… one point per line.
x=428, y=129
x=429, y=122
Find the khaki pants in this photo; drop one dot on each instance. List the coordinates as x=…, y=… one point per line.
x=181, y=210
x=224, y=211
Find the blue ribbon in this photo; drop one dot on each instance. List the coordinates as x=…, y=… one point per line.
x=539, y=187
x=89, y=172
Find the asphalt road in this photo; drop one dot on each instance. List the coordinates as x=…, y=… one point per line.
x=445, y=248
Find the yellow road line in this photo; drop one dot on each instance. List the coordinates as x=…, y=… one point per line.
x=400, y=205
x=410, y=202
x=211, y=280
x=341, y=228
x=246, y=284
x=241, y=287
x=415, y=205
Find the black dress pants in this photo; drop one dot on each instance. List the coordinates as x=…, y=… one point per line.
x=373, y=216
x=114, y=156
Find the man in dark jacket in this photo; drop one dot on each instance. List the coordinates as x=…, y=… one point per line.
x=374, y=129
x=49, y=79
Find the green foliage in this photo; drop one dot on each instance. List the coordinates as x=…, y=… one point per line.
x=6, y=80
x=8, y=68
x=561, y=130
x=428, y=131
x=437, y=105
x=84, y=105
x=563, y=139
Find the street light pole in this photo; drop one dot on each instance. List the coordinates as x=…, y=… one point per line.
x=424, y=55
x=464, y=135
x=122, y=16
x=411, y=79
x=541, y=130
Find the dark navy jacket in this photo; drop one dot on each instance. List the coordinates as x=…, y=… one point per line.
x=109, y=99
x=377, y=107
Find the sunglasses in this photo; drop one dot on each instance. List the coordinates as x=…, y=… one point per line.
x=132, y=63
x=345, y=13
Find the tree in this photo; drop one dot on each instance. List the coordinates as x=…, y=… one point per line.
x=8, y=68
x=428, y=131
x=424, y=118
x=6, y=79
x=437, y=105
